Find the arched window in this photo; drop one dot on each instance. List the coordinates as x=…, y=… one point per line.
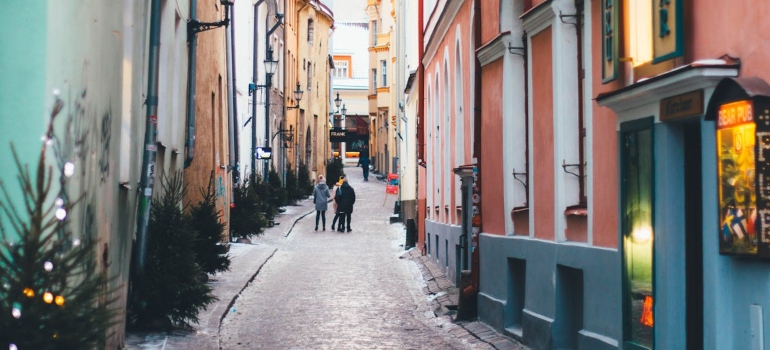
x=459, y=117
x=447, y=169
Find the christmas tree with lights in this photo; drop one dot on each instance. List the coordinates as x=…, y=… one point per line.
x=51, y=294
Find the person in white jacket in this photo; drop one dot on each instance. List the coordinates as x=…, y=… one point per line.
x=321, y=199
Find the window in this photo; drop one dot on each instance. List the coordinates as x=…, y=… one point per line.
x=340, y=69
x=384, y=64
x=309, y=76
x=374, y=80
x=310, y=31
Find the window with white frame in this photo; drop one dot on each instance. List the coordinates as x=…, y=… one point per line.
x=340, y=69
x=384, y=64
x=310, y=32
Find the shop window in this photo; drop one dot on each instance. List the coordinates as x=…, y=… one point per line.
x=638, y=235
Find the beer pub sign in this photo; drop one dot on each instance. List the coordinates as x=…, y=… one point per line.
x=742, y=123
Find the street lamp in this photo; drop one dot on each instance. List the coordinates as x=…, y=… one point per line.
x=337, y=101
x=297, y=97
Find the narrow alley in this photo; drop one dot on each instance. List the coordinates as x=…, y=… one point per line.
x=330, y=290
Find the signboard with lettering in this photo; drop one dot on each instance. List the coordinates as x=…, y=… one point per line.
x=609, y=54
x=337, y=135
x=667, y=30
x=743, y=171
x=682, y=106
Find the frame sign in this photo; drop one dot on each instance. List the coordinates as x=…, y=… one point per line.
x=667, y=30
x=609, y=54
x=743, y=171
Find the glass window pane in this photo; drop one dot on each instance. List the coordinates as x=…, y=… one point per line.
x=638, y=237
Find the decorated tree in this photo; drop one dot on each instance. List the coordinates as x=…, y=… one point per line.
x=51, y=294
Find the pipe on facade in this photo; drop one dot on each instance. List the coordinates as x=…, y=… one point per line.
x=192, y=41
x=232, y=95
x=150, y=148
x=477, y=123
x=254, y=92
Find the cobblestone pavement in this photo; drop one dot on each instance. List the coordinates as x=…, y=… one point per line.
x=296, y=288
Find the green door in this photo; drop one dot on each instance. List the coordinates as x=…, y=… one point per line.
x=637, y=233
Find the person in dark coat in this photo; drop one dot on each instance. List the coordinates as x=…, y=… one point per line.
x=363, y=161
x=321, y=199
x=337, y=214
x=345, y=201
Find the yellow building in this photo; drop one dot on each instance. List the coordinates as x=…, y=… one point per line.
x=309, y=24
x=382, y=59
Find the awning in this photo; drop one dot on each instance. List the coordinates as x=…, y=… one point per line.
x=737, y=89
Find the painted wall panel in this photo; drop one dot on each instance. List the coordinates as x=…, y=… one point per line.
x=492, y=200
x=542, y=135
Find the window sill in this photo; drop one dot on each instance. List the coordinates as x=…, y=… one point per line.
x=576, y=210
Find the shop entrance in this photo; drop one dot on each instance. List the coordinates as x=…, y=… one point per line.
x=693, y=192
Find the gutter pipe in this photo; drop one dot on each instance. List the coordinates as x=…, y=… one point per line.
x=150, y=133
x=231, y=92
x=192, y=40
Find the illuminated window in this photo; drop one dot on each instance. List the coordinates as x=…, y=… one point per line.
x=638, y=234
x=638, y=25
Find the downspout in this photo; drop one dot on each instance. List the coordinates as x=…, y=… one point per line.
x=420, y=119
x=150, y=148
x=477, y=126
x=192, y=41
x=254, y=93
x=233, y=110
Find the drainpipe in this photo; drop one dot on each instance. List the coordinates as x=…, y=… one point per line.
x=233, y=110
x=150, y=147
x=254, y=93
x=192, y=40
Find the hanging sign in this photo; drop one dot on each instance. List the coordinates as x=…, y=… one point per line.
x=743, y=171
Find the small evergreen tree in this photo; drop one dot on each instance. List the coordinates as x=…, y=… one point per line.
x=305, y=182
x=277, y=195
x=212, y=257
x=246, y=217
x=334, y=171
x=51, y=294
x=169, y=288
x=292, y=186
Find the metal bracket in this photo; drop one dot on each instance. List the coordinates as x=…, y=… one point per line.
x=562, y=16
x=194, y=26
x=523, y=182
x=523, y=50
x=565, y=166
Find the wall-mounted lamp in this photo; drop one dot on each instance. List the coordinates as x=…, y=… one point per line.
x=297, y=96
x=195, y=26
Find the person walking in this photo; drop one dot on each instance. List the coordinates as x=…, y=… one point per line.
x=345, y=201
x=363, y=161
x=337, y=214
x=321, y=199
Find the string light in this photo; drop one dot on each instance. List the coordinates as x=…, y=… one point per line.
x=59, y=300
x=61, y=214
x=48, y=266
x=29, y=292
x=76, y=242
x=69, y=169
x=56, y=91
x=16, y=313
x=59, y=202
x=12, y=347
x=48, y=297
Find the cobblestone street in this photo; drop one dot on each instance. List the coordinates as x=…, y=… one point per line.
x=325, y=289
x=297, y=288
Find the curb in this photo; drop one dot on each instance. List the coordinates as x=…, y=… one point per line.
x=232, y=301
x=295, y=222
